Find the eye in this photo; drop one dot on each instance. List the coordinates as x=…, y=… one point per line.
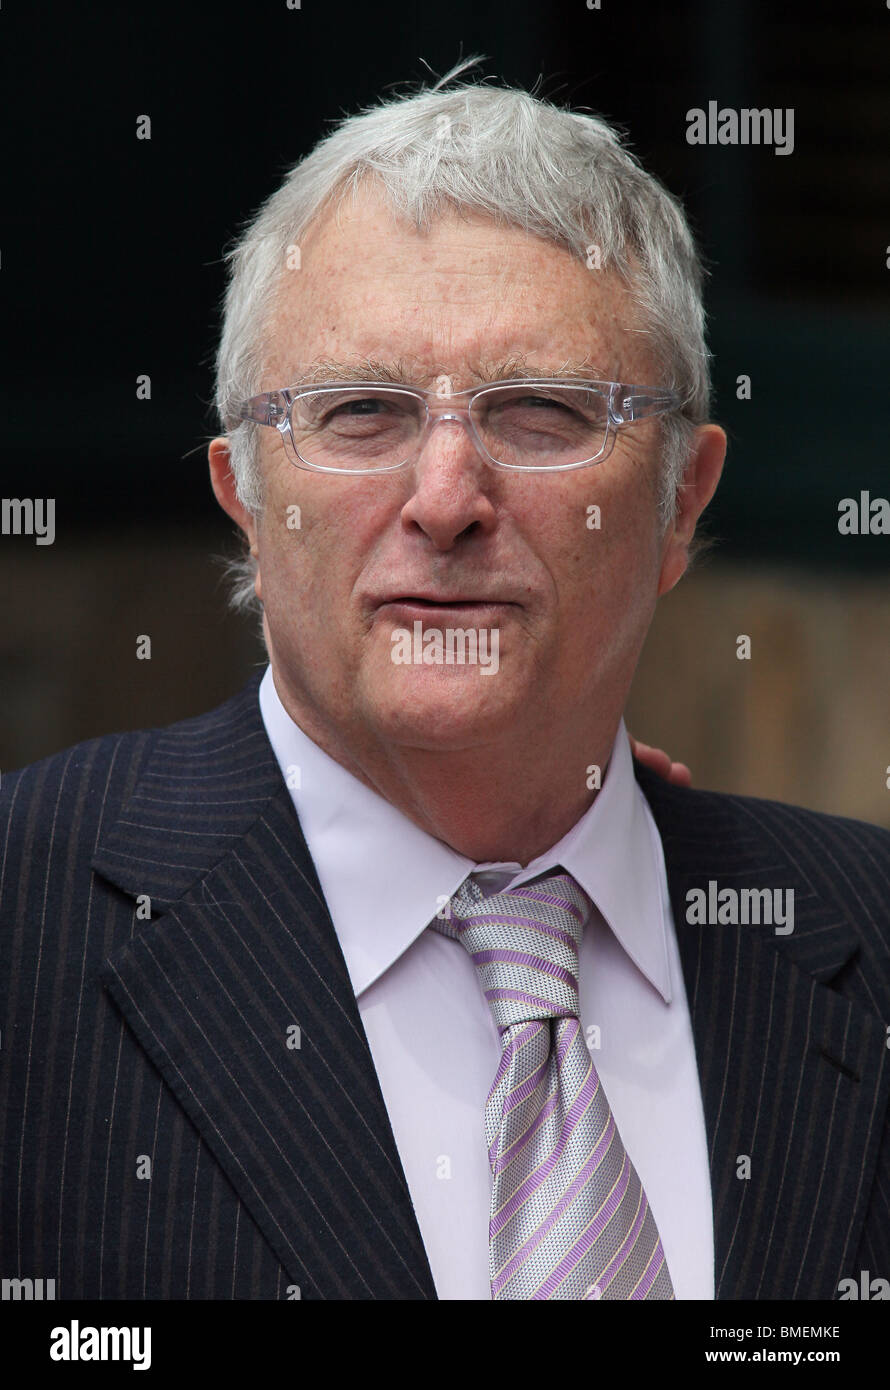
x=364, y=405
x=545, y=401
x=336, y=409
x=554, y=408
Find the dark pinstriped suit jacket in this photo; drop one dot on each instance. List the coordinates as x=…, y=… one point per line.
x=274, y=1169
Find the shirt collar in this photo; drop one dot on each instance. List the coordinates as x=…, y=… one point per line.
x=384, y=878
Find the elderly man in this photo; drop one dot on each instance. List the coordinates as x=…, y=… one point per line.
x=397, y=976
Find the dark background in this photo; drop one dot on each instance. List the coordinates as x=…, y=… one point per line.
x=110, y=267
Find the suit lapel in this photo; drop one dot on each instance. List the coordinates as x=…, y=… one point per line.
x=795, y=1078
x=240, y=996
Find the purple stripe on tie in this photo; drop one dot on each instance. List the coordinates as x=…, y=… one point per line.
x=511, y=1048
x=594, y=1230
x=536, y=1000
x=496, y=919
x=543, y=1114
x=557, y=934
x=562, y=1205
x=534, y=1180
x=508, y=957
x=625, y=1248
x=524, y=1091
x=651, y=1274
x=541, y=928
x=547, y=898
x=568, y=1037
x=528, y=1087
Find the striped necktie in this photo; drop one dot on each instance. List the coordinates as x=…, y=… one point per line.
x=569, y=1217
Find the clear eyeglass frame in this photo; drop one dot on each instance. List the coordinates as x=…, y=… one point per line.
x=627, y=404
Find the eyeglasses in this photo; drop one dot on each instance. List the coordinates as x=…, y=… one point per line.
x=523, y=424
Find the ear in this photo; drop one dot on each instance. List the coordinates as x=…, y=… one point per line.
x=223, y=482
x=694, y=493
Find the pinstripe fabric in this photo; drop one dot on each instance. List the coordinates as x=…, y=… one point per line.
x=137, y=1030
x=791, y=1038
x=569, y=1216
x=274, y=1173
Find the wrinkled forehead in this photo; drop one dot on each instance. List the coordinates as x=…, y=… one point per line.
x=465, y=297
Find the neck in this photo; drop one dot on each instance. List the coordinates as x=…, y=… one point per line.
x=507, y=800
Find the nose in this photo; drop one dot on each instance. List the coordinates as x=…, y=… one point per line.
x=455, y=415
x=451, y=477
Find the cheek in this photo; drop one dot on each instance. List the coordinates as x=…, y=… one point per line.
x=608, y=580
x=294, y=522
x=313, y=546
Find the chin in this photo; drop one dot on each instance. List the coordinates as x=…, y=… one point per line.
x=444, y=709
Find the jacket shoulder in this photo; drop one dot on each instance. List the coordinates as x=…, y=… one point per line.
x=819, y=825
x=89, y=782
x=838, y=866
x=685, y=807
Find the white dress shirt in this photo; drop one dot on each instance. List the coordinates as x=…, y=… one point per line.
x=431, y=1034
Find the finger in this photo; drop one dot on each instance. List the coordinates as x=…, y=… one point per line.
x=680, y=775
x=656, y=758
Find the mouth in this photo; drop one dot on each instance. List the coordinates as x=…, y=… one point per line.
x=442, y=603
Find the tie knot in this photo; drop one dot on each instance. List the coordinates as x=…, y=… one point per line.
x=524, y=944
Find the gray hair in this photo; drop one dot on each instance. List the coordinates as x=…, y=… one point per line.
x=522, y=161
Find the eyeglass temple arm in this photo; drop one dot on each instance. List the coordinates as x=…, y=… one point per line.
x=268, y=409
x=636, y=404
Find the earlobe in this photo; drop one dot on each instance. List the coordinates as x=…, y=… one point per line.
x=674, y=564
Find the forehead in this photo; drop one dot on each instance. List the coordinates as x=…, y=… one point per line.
x=458, y=297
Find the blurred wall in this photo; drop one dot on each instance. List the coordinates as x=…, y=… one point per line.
x=805, y=719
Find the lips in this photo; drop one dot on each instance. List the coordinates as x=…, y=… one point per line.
x=442, y=601
x=414, y=599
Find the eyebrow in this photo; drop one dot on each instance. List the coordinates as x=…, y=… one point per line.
x=483, y=371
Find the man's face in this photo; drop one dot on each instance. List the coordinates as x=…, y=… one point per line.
x=571, y=603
